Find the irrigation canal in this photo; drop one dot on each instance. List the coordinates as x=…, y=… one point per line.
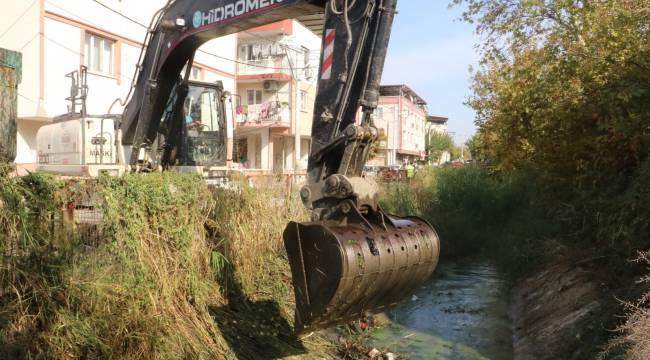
x=461, y=313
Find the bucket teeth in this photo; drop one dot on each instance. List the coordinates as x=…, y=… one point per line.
x=340, y=272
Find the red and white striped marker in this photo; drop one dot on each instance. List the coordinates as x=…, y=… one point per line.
x=328, y=54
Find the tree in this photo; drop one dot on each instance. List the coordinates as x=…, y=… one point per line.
x=563, y=86
x=459, y=153
x=438, y=143
x=475, y=148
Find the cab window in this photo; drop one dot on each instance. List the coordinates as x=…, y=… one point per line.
x=201, y=111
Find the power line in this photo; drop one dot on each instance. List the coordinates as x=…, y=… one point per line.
x=121, y=14
x=145, y=27
x=199, y=50
x=29, y=41
x=26, y=98
x=77, y=53
x=18, y=19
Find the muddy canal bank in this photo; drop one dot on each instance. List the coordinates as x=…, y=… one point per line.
x=565, y=311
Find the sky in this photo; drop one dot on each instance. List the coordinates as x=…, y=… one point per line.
x=431, y=51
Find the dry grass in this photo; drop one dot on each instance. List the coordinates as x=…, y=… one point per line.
x=252, y=222
x=175, y=271
x=634, y=342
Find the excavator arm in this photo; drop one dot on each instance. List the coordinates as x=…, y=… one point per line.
x=352, y=257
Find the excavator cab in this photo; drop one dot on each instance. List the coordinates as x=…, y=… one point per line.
x=193, y=130
x=204, y=125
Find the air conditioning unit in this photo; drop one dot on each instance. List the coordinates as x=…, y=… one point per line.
x=270, y=85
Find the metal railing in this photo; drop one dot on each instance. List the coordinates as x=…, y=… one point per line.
x=272, y=64
x=270, y=111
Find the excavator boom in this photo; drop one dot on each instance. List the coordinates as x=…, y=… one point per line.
x=352, y=257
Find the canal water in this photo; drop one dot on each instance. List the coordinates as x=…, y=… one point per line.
x=461, y=313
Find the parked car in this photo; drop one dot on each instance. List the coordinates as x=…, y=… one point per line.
x=458, y=163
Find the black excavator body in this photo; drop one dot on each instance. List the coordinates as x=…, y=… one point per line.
x=351, y=258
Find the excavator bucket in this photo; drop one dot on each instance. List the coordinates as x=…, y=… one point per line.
x=341, y=272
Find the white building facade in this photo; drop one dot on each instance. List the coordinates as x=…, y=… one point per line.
x=276, y=84
x=56, y=37
x=401, y=116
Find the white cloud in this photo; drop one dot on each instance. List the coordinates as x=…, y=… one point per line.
x=439, y=61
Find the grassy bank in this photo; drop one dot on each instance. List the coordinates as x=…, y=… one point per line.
x=475, y=212
x=526, y=224
x=170, y=270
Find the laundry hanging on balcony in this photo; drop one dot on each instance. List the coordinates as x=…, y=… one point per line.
x=257, y=51
x=241, y=109
x=265, y=110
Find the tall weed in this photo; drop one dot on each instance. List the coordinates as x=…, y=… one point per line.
x=156, y=280
x=474, y=211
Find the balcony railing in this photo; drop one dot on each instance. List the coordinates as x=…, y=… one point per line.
x=270, y=65
x=268, y=113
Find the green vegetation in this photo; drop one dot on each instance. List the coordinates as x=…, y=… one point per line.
x=563, y=104
x=474, y=147
x=476, y=212
x=562, y=95
x=509, y=217
x=169, y=270
x=437, y=144
x=563, y=88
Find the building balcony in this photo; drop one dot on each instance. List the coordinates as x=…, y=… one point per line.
x=271, y=114
x=273, y=67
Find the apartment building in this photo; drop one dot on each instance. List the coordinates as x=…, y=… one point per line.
x=56, y=37
x=437, y=124
x=401, y=116
x=276, y=84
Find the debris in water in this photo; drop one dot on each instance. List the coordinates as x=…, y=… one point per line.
x=414, y=298
x=374, y=353
x=307, y=336
x=363, y=325
x=389, y=356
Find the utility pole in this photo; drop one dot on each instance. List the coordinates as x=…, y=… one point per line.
x=295, y=113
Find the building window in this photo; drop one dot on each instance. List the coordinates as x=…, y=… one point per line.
x=303, y=101
x=305, y=56
x=254, y=97
x=99, y=54
x=246, y=53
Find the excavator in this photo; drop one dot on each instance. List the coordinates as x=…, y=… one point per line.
x=351, y=258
